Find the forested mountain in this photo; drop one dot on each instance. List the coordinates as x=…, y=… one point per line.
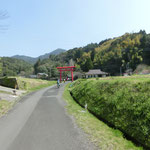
x=111, y=55
x=33, y=60
x=55, y=52
x=114, y=56
x=12, y=67
x=28, y=59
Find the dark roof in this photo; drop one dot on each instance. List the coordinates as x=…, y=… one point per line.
x=96, y=72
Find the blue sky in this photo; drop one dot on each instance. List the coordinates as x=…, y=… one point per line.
x=36, y=27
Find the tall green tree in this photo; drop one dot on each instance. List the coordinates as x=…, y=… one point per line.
x=87, y=65
x=36, y=66
x=1, y=67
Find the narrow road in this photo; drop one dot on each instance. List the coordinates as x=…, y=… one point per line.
x=39, y=122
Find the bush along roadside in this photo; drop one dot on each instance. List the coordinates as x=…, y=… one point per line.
x=103, y=136
x=123, y=103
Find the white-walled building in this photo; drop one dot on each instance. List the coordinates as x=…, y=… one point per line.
x=95, y=73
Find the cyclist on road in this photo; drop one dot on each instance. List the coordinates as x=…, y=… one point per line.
x=58, y=83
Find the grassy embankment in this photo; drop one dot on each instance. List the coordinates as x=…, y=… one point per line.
x=104, y=137
x=29, y=85
x=122, y=102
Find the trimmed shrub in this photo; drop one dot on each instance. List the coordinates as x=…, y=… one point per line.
x=123, y=103
x=9, y=82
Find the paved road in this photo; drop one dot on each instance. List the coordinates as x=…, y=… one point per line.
x=39, y=122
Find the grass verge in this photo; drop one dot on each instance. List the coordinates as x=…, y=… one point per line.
x=5, y=106
x=5, y=92
x=41, y=86
x=104, y=137
x=33, y=84
x=30, y=85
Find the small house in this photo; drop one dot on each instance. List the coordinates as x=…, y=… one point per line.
x=33, y=76
x=42, y=75
x=95, y=73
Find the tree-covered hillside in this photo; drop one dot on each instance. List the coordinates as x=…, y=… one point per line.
x=48, y=66
x=33, y=60
x=13, y=67
x=114, y=56
x=28, y=59
x=111, y=55
x=1, y=67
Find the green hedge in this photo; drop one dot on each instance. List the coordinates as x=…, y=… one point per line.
x=123, y=103
x=9, y=82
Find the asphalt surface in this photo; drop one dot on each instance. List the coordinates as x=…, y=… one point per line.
x=40, y=122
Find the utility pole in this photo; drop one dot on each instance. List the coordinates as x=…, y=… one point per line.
x=50, y=72
x=120, y=71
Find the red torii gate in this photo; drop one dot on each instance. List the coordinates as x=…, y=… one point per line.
x=69, y=68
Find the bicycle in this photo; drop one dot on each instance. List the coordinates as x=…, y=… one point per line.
x=58, y=85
